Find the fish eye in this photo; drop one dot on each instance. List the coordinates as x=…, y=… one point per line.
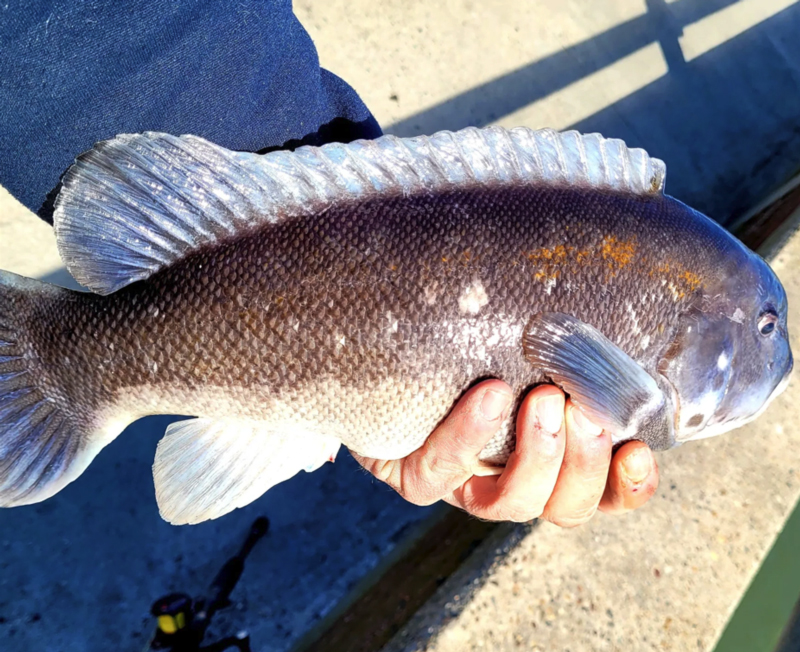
x=767, y=321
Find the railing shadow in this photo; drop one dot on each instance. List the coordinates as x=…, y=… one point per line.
x=727, y=123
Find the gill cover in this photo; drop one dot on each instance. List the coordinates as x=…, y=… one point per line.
x=724, y=366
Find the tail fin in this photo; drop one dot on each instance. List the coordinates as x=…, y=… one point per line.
x=41, y=449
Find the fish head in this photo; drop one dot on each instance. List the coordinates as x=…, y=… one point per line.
x=731, y=356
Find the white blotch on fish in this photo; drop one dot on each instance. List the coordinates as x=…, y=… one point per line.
x=634, y=322
x=431, y=293
x=473, y=298
x=476, y=339
x=393, y=323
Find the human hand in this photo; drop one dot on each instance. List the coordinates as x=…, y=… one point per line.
x=562, y=469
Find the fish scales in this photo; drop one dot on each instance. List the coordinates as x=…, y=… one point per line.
x=353, y=320
x=351, y=294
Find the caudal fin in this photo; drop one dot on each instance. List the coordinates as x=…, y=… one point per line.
x=42, y=448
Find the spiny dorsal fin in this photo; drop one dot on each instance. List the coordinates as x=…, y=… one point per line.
x=137, y=203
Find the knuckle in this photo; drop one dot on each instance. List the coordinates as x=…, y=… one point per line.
x=381, y=469
x=573, y=519
x=418, y=487
x=434, y=469
x=520, y=515
x=420, y=500
x=518, y=510
x=507, y=508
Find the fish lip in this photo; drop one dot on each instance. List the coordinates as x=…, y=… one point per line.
x=781, y=386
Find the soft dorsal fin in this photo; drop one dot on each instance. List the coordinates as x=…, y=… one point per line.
x=137, y=203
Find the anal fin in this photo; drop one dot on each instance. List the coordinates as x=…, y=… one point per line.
x=205, y=468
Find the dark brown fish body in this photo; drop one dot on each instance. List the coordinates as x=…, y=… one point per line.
x=375, y=293
x=365, y=320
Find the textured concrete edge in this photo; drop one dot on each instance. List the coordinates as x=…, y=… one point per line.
x=459, y=589
x=363, y=586
x=763, y=618
x=778, y=240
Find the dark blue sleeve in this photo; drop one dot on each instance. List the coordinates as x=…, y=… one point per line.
x=242, y=74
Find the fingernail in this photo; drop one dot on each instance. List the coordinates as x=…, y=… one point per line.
x=550, y=411
x=494, y=403
x=638, y=465
x=583, y=423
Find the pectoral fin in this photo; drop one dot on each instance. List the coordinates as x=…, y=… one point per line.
x=206, y=468
x=605, y=382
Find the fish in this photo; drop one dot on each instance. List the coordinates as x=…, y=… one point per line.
x=290, y=303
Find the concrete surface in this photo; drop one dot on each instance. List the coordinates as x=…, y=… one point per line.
x=766, y=616
x=90, y=561
x=725, y=120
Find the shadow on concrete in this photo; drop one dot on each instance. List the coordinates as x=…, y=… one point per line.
x=790, y=637
x=90, y=560
x=727, y=123
x=78, y=572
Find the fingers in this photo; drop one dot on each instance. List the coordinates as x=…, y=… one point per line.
x=522, y=491
x=448, y=457
x=583, y=474
x=632, y=479
x=561, y=469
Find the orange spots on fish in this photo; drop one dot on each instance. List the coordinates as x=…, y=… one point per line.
x=550, y=262
x=554, y=254
x=692, y=280
x=545, y=276
x=616, y=252
x=679, y=280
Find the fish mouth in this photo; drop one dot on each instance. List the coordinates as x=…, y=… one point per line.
x=732, y=423
x=781, y=387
